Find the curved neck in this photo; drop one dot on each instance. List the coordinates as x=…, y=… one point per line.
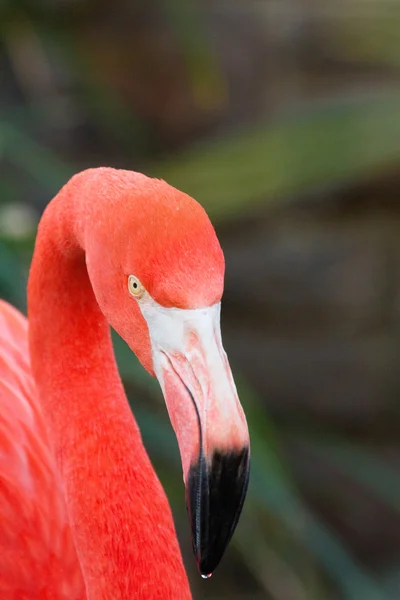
x=120, y=517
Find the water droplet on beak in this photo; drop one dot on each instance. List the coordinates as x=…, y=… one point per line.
x=206, y=576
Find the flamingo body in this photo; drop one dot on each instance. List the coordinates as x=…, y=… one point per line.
x=82, y=512
x=38, y=556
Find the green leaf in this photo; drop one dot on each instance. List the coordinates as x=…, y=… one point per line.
x=320, y=147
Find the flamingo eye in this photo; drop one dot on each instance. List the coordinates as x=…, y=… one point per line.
x=135, y=288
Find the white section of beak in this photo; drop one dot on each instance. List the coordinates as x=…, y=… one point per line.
x=192, y=334
x=169, y=327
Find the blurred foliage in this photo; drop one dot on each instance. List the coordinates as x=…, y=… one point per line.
x=324, y=147
x=281, y=544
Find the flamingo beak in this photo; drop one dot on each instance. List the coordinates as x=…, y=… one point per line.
x=211, y=429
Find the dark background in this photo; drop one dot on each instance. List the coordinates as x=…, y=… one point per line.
x=282, y=117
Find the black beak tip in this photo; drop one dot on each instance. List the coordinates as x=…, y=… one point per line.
x=215, y=494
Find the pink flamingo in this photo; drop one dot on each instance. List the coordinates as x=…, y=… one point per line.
x=82, y=513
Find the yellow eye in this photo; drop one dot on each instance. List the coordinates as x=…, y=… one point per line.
x=135, y=287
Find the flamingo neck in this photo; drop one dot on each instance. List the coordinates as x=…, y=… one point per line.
x=119, y=514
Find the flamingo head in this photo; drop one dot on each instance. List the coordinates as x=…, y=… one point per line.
x=167, y=280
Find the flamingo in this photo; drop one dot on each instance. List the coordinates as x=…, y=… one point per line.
x=82, y=512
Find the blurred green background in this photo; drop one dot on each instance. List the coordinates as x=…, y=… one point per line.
x=282, y=117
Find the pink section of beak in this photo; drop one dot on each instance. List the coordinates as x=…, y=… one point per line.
x=202, y=401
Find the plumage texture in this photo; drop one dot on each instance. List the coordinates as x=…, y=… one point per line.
x=37, y=554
